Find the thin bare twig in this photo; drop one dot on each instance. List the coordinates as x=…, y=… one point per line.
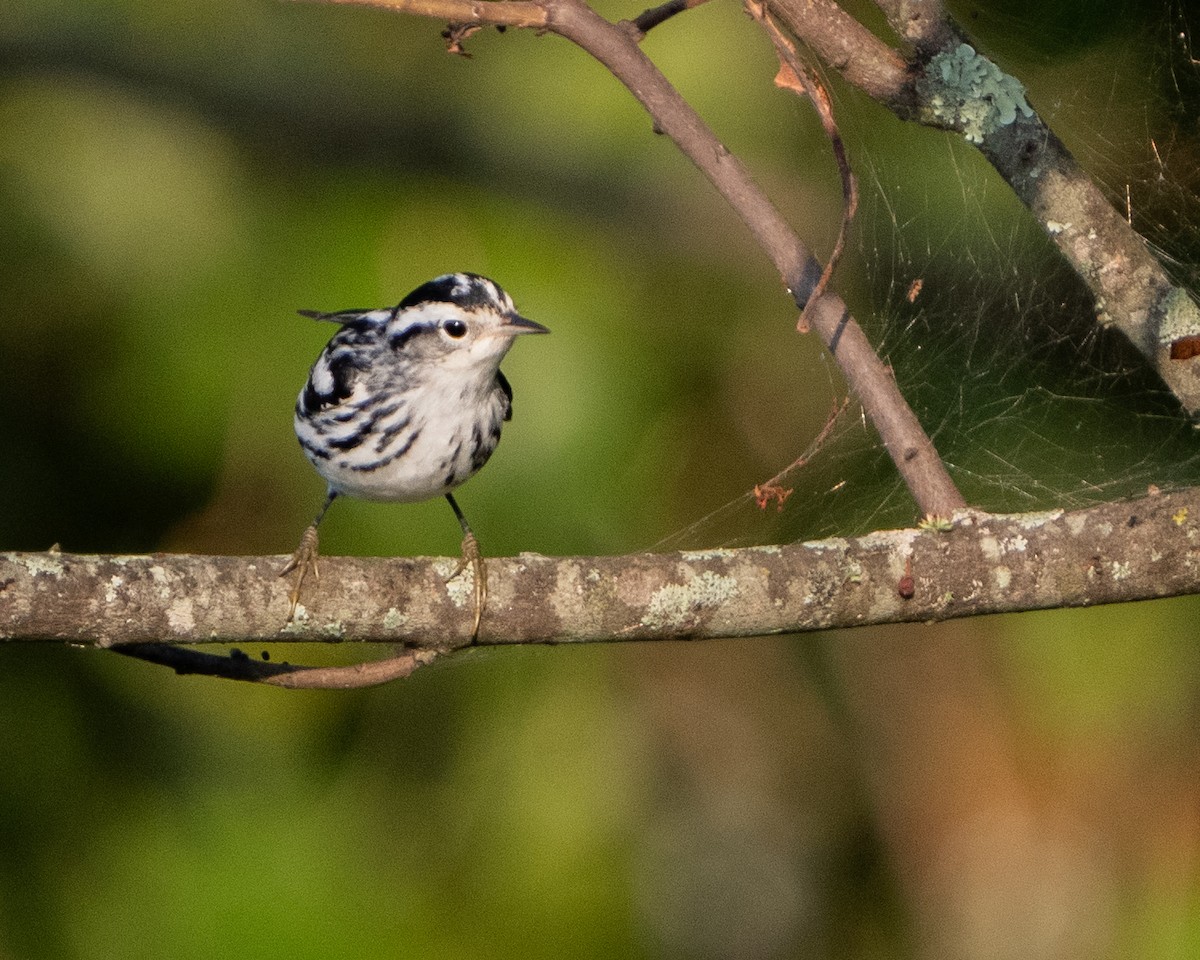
x=238, y=666
x=773, y=489
x=647, y=20
x=511, y=13
x=795, y=76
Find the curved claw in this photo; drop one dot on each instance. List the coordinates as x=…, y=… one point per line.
x=304, y=559
x=472, y=555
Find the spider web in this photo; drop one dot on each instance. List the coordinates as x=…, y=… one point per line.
x=992, y=337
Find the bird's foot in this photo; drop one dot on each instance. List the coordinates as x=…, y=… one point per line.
x=303, y=560
x=472, y=556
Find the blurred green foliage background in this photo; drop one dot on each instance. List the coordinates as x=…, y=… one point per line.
x=177, y=179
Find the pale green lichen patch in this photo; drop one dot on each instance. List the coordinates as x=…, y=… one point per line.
x=37, y=563
x=461, y=588
x=834, y=544
x=334, y=630
x=115, y=583
x=967, y=91
x=894, y=541
x=1181, y=317
x=702, y=556
x=721, y=553
x=180, y=616
x=394, y=619
x=444, y=567
x=296, y=624
x=678, y=604
x=568, y=588
x=1033, y=521
x=993, y=548
x=854, y=572
x=1014, y=544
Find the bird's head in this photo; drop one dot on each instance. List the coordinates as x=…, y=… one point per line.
x=460, y=321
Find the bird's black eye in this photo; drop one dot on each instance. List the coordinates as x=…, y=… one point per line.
x=456, y=328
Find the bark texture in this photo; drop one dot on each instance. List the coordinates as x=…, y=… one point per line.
x=984, y=564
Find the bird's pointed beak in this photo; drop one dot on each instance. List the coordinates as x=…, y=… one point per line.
x=514, y=324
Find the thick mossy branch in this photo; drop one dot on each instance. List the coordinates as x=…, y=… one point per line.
x=945, y=82
x=982, y=564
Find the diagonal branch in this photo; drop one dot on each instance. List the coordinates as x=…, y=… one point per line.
x=616, y=47
x=868, y=377
x=858, y=55
x=922, y=23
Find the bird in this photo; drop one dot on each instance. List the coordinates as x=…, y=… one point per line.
x=405, y=403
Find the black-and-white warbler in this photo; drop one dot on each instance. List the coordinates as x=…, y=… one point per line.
x=406, y=402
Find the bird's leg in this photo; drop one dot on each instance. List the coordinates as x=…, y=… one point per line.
x=305, y=557
x=471, y=555
x=303, y=560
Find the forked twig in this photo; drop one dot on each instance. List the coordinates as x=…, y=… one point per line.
x=238, y=666
x=795, y=76
x=869, y=378
x=773, y=489
x=647, y=20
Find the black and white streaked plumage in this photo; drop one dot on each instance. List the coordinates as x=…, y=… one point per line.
x=406, y=402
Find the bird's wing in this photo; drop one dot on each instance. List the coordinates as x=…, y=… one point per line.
x=345, y=317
